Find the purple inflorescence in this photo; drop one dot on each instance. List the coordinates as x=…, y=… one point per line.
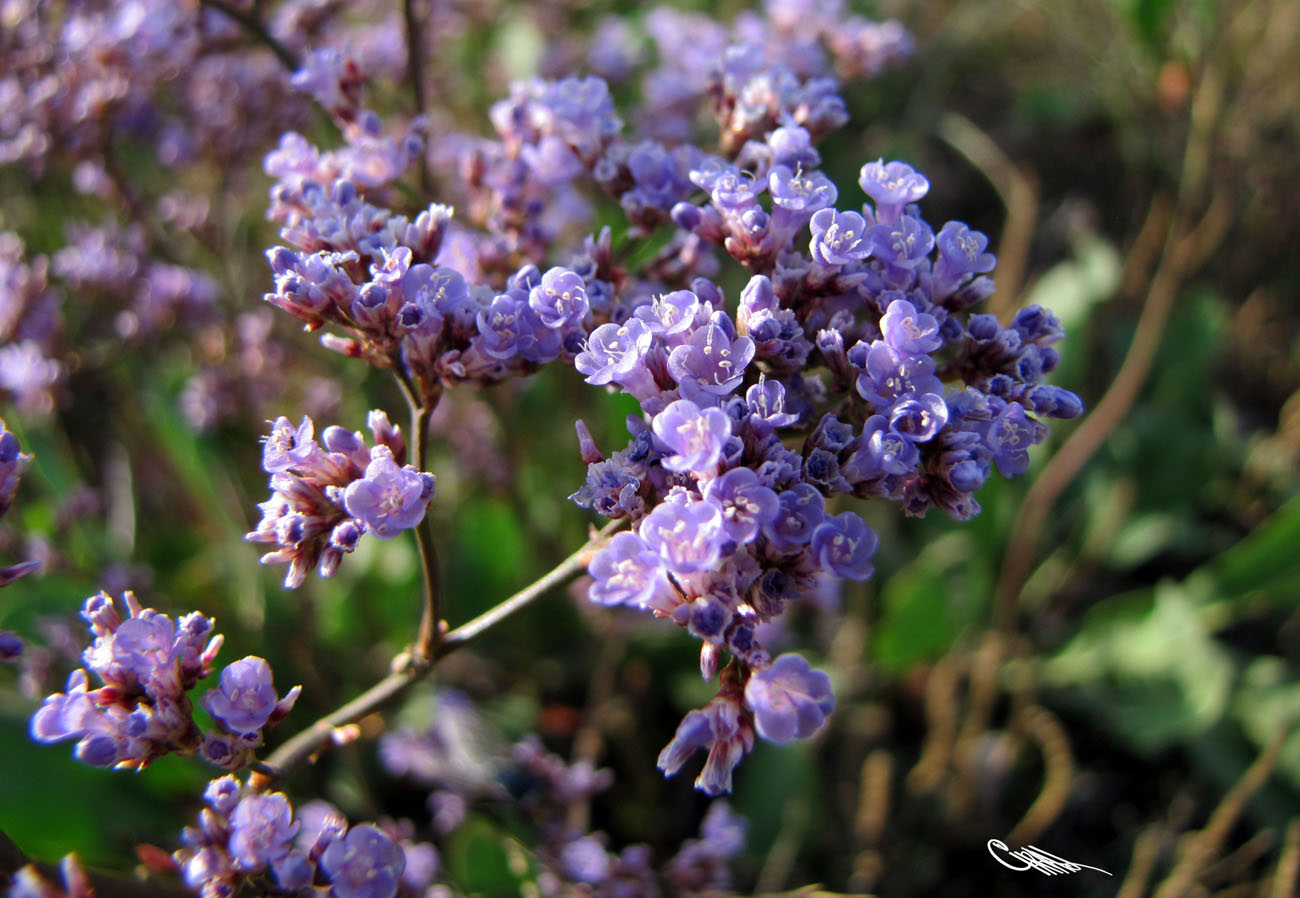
x=148, y=664
x=327, y=493
x=729, y=524
x=246, y=835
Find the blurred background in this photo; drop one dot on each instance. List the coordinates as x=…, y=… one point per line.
x=1103, y=663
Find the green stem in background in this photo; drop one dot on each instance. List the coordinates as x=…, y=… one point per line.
x=410, y=669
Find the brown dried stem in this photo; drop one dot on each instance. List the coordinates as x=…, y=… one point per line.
x=1019, y=197
x=1184, y=247
x=1199, y=849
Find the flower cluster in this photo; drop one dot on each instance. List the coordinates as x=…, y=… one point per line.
x=73, y=78
x=245, y=834
x=148, y=664
x=797, y=45
x=728, y=523
x=326, y=494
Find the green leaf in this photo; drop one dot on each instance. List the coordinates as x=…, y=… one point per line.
x=485, y=861
x=1269, y=697
x=1147, y=664
x=1264, y=559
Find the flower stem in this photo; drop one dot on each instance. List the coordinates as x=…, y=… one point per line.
x=421, y=405
x=409, y=669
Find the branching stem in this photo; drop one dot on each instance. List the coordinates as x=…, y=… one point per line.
x=409, y=668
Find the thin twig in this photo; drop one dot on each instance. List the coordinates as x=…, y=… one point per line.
x=1199, y=849
x=317, y=736
x=525, y=597
x=1019, y=197
x=1058, y=773
x=941, y=728
x=1146, y=850
x=1288, y=864
x=409, y=669
x=254, y=26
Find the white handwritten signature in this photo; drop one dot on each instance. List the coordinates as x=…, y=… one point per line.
x=1035, y=858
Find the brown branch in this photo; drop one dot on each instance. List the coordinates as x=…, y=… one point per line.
x=1200, y=848
x=1058, y=773
x=1019, y=195
x=1288, y=864
x=525, y=597
x=1184, y=245
x=1146, y=850
x=941, y=728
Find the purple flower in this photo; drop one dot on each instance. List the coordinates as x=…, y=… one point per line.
x=322, y=826
x=560, y=300
x=1010, y=435
x=713, y=361
x=892, y=185
x=800, y=192
x=908, y=331
x=881, y=450
x=802, y=509
x=696, y=437
x=12, y=463
x=363, y=864
x=961, y=253
x=731, y=191
x=294, y=871
x=627, y=572
x=724, y=730
x=789, y=699
x=686, y=534
x=670, y=314
x=614, y=351
x=919, y=418
x=286, y=446
x=261, y=830
x=746, y=503
x=585, y=860
x=141, y=651
x=246, y=699
x=904, y=243
x=389, y=498
x=222, y=794
x=11, y=647
x=766, y=403
x=844, y=545
x=838, y=238
x=890, y=375
x=791, y=145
